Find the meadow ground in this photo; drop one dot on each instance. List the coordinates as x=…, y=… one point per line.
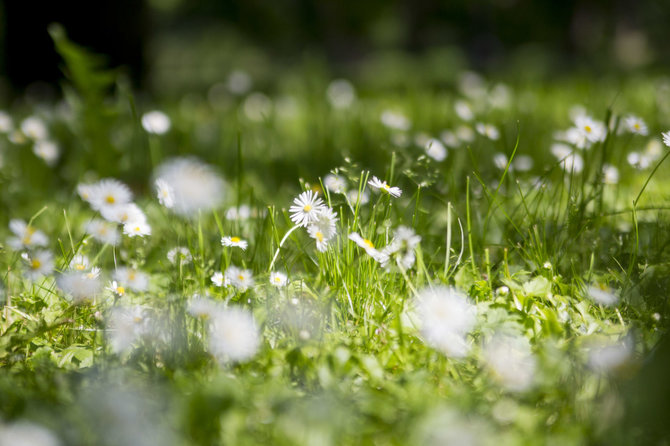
x=329, y=263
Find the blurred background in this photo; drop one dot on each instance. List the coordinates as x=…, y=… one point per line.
x=174, y=46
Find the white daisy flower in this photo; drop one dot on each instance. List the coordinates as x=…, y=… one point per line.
x=132, y=279
x=233, y=335
x=85, y=191
x=403, y=246
x=666, y=138
x=195, y=185
x=278, y=279
x=465, y=133
x=179, y=253
x=156, y=122
x=605, y=357
x=34, y=128
x=610, y=174
x=306, y=207
x=511, y=361
x=570, y=161
x=323, y=229
x=6, y=122
x=202, y=307
x=127, y=325
x=243, y=212
x=241, y=279
x=500, y=160
x=341, y=94
x=109, y=193
x=237, y=242
x=25, y=236
x=164, y=193
x=115, y=288
x=335, y=183
x=47, y=151
x=463, y=110
x=103, y=231
x=124, y=214
x=446, y=316
x=602, y=294
x=635, y=125
x=25, y=433
x=593, y=130
x=436, y=150
x=638, y=160
x=353, y=196
x=488, y=130
x=396, y=121
x=377, y=184
x=137, y=229
x=449, y=139
x=79, y=285
x=40, y=264
x=522, y=163
x=79, y=262
x=369, y=248
x=219, y=280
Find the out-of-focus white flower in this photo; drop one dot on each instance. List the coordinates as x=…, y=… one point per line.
x=450, y=139
x=377, y=184
x=233, y=335
x=605, y=357
x=436, y=150
x=522, y=163
x=242, y=279
x=236, y=242
x=463, y=110
x=128, y=213
x=369, y=248
x=116, y=289
x=156, y=122
x=465, y=133
x=307, y=206
x=402, y=247
x=108, y=194
x=47, y=150
x=446, y=316
x=239, y=82
x=6, y=122
x=179, y=254
x=34, y=128
x=666, y=138
x=103, y=231
x=195, y=185
x=602, y=294
x=353, y=196
x=594, y=131
x=341, y=93
x=395, y=120
x=488, y=130
x=500, y=160
x=25, y=433
x=323, y=229
x=79, y=285
x=79, y=262
x=511, y=361
x=164, y=193
x=202, y=307
x=137, y=229
x=610, y=174
x=278, y=279
x=638, y=160
x=243, y=212
x=126, y=325
x=25, y=236
x=335, y=183
x=257, y=107
x=635, y=125
x=500, y=96
x=570, y=161
x=40, y=264
x=219, y=280
x=132, y=279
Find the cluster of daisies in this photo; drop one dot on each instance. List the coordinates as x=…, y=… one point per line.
x=33, y=131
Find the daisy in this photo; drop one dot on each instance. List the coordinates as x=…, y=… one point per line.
x=219, y=280
x=79, y=262
x=237, y=242
x=6, y=123
x=195, y=185
x=103, y=232
x=85, y=191
x=40, y=264
x=610, y=174
x=395, y=121
x=635, y=125
x=233, y=335
x=511, y=361
x=132, y=279
x=25, y=236
x=156, y=122
x=115, y=288
x=449, y=139
x=341, y=93
x=179, y=253
x=606, y=357
x=128, y=213
x=593, y=130
x=34, y=128
x=463, y=110
x=354, y=197
x=402, y=247
x=47, y=151
x=465, y=133
x=164, y=193
x=335, y=183
x=239, y=278
x=436, y=150
x=243, y=212
x=446, y=316
x=488, y=130
x=137, y=229
x=202, y=307
x=369, y=247
x=376, y=183
x=278, y=279
x=323, y=229
x=79, y=286
x=126, y=325
x=307, y=206
x=666, y=138
x=109, y=193
x=523, y=163
x=602, y=294
x=500, y=160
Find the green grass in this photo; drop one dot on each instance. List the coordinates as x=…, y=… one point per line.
x=341, y=360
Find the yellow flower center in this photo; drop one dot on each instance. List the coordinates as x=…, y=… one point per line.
x=34, y=264
x=277, y=279
x=131, y=276
x=319, y=236
x=369, y=243
x=307, y=208
x=110, y=199
x=80, y=267
x=120, y=290
x=386, y=186
x=137, y=229
x=235, y=239
x=240, y=276
x=137, y=319
x=587, y=128
x=636, y=126
x=27, y=239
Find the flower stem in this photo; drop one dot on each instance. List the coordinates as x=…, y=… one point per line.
x=281, y=243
